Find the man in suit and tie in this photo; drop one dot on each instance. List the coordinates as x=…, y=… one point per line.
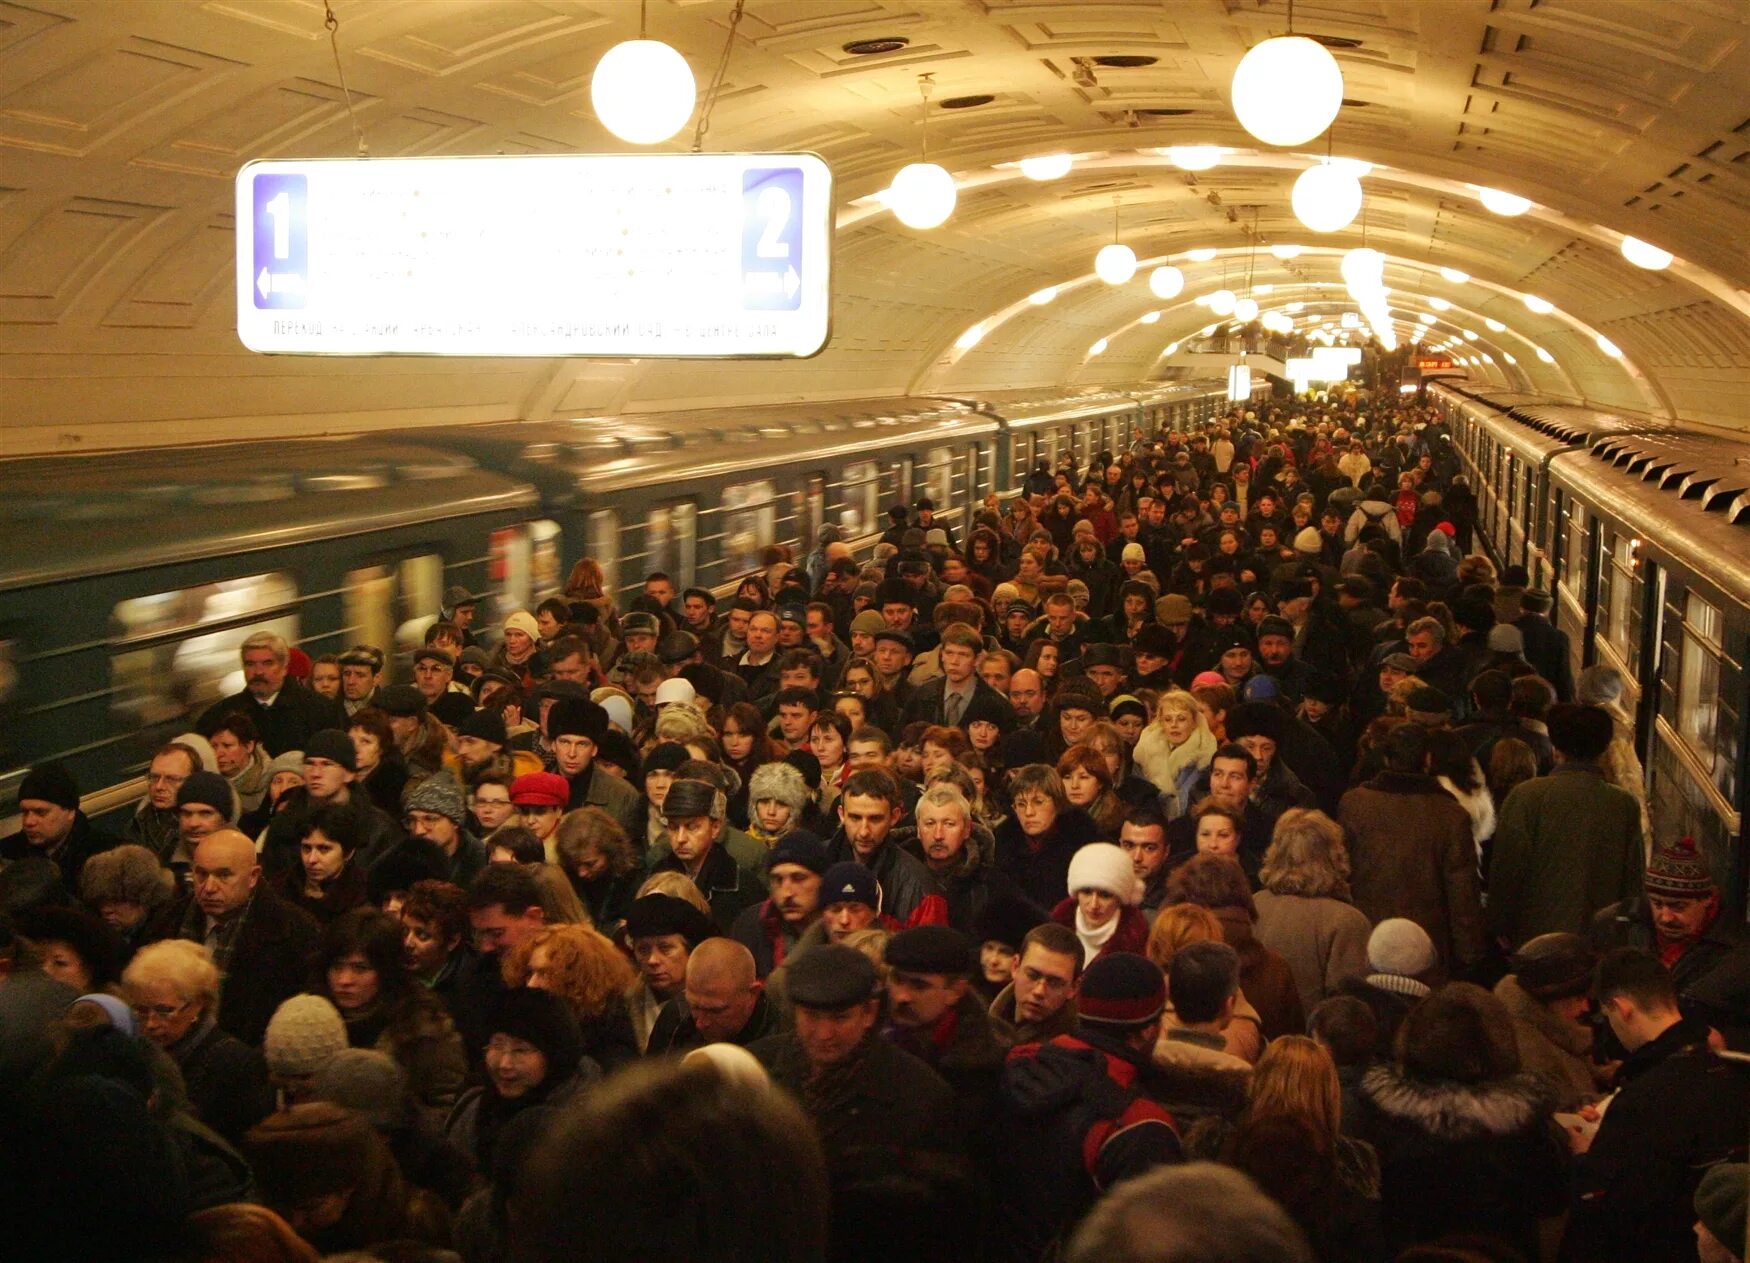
x=947, y=698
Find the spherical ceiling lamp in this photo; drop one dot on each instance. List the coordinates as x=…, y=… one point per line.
x=1544, y=355
x=1051, y=166
x=1506, y=204
x=1286, y=252
x=1364, y=268
x=1115, y=264
x=1644, y=255
x=643, y=91
x=1170, y=348
x=1542, y=306
x=1426, y=318
x=1246, y=309
x=1223, y=302
x=1098, y=347
x=1495, y=326
x=1193, y=157
x=1326, y=198
x=1287, y=90
x=1166, y=282
x=1439, y=304
x=922, y=195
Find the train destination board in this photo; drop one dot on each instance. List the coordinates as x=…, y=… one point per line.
x=667, y=255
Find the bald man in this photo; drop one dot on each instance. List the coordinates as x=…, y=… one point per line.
x=723, y=1002
x=262, y=945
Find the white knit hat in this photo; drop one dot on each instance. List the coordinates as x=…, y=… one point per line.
x=303, y=1034
x=1309, y=540
x=1133, y=552
x=524, y=622
x=676, y=690
x=1400, y=946
x=1102, y=866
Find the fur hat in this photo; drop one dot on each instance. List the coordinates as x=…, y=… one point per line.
x=335, y=746
x=780, y=782
x=1102, y=866
x=1460, y=1034
x=304, y=1032
x=543, y=1019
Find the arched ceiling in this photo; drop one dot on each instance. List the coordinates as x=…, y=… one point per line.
x=123, y=124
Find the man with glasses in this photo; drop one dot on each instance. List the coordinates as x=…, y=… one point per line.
x=155, y=820
x=262, y=945
x=1039, y=1004
x=433, y=813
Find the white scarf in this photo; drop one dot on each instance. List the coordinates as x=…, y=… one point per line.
x=1094, y=940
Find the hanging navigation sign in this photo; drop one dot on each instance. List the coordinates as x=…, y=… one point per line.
x=700, y=255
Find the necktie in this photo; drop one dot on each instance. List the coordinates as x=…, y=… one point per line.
x=951, y=712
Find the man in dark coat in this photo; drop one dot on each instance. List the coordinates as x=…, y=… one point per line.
x=52, y=826
x=948, y=699
x=264, y=947
x=934, y=1014
x=1546, y=646
x=284, y=712
x=771, y=930
x=1073, y=1121
x=878, y=1110
x=695, y=812
x=870, y=805
x=1680, y=1109
x=722, y=1003
x=576, y=728
x=958, y=851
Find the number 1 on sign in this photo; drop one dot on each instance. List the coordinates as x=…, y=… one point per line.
x=279, y=209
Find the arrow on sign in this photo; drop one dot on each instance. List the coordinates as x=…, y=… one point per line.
x=791, y=282
x=279, y=283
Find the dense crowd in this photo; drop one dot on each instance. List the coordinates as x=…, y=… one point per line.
x=1204, y=855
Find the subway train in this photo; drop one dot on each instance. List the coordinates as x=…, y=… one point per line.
x=128, y=579
x=1640, y=529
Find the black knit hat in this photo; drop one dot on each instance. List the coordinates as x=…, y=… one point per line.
x=665, y=756
x=543, y=1019
x=930, y=949
x=1256, y=719
x=802, y=848
x=452, y=708
x=1122, y=990
x=50, y=783
x=487, y=725
x=335, y=746
x=209, y=789
x=1006, y=920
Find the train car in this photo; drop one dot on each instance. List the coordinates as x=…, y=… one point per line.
x=127, y=581
x=1656, y=546
x=698, y=495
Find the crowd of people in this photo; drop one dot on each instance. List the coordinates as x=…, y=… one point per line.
x=1204, y=855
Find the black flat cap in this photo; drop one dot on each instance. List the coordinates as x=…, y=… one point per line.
x=831, y=976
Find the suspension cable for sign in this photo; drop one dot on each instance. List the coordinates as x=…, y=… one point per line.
x=333, y=25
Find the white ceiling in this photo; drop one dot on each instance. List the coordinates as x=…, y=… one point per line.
x=122, y=123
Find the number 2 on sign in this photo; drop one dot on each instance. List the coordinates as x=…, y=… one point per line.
x=774, y=208
x=279, y=209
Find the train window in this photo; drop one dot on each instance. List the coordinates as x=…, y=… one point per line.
x=938, y=480
x=1622, y=624
x=545, y=580
x=1698, y=688
x=749, y=523
x=1576, y=562
x=861, y=504
x=902, y=480
x=603, y=544
x=367, y=605
x=174, y=653
x=669, y=542
x=973, y=486
x=813, y=511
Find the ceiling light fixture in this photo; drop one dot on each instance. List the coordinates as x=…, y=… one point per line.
x=1455, y=276
x=1644, y=255
x=1098, y=347
x=1286, y=252
x=1439, y=304
x=1608, y=347
x=1115, y=263
x=1542, y=306
x=1288, y=89
x=1495, y=326
x=1166, y=282
x=922, y=194
x=1504, y=204
x=1193, y=157
x=1544, y=355
x=1203, y=254
x=1148, y=317
x=1040, y=297
x=1326, y=198
x=1051, y=166
x=642, y=90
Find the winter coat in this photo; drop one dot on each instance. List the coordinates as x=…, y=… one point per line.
x=418, y=1033
x=1458, y=1158
x=1324, y=941
x=297, y=714
x=1712, y=975
x=1557, y=1051
x=83, y=841
x=1130, y=936
x=908, y=890
x=762, y=931
x=972, y=883
x=270, y=960
x=595, y=788
x=1074, y=1121
x=963, y=1048
x=378, y=833
x=1412, y=855
x=727, y=886
x=226, y=1079
x=345, y=892
x=1370, y=512
x=1566, y=845
x=1011, y=1033
x=1195, y=1075
x=1176, y=769
x=1265, y=978
x=674, y=1030
x=1040, y=866
x=1680, y=1110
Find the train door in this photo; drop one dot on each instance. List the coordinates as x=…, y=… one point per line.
x=602, y=542
x=671, y=542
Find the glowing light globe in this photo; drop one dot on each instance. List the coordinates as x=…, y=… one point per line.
x=1049, y=166
x=1166, y=282
x=1246, y=309
x=1507, y=204
x=1326, y=198
x=1286, y=252
x=922, y=195
x=1364, y=268
x=1287, y=90
x=1645, y=255
x=1115, y=264
x=643, y=91
x=1541, y=306
x=1193, y=157
x=1223, y=302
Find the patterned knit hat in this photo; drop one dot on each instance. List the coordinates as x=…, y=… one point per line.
x=440, y=795
x=304, y=1034
x=1678, y=871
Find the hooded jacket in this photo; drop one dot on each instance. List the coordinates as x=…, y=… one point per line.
x=1073, y=1122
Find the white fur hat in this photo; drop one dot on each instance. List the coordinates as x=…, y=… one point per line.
x=1102, y=866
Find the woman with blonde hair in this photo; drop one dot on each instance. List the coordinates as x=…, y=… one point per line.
x=590, y=974
x=1175, y=749
x=1304, y=909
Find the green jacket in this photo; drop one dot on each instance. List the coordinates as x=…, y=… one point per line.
x=1566, y=845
